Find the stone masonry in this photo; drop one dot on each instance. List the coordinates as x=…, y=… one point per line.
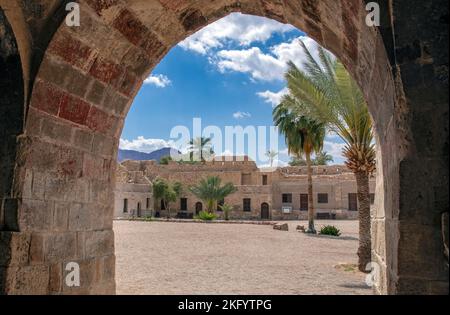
x=264, y=187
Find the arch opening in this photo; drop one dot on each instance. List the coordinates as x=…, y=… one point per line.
x=92, y=74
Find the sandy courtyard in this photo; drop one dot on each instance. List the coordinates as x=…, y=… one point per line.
x=192, y=258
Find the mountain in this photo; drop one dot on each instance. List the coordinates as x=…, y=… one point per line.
x=141, y=156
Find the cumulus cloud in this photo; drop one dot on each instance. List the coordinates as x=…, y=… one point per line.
x=142, y=144
x=335, y=150
x=237, y=27
x=273, y=98
x=265, y=66
x=242, y=115
x=158, y=80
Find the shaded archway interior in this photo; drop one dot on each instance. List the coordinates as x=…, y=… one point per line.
x=88, y=77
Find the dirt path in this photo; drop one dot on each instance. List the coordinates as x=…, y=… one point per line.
x=192, y=258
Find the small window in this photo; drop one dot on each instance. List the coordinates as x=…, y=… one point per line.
x=287, y=198
x=322, y=198
x=163, y=206
x=264, y=180
x=220, y=204
x=247, y=205
x=183, y=204
x=372, y=199
x=125, y=206
x=147, y=203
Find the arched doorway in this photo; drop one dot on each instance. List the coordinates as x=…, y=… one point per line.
x=198, y=207
x=139, y=210
x=89, y=76
x=265, y=211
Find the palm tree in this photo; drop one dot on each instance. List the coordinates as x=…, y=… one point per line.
x=303, y=136
x=327, y=92
x=323, y=158
x=200, y=149
x=271, y=155
x=211, y=191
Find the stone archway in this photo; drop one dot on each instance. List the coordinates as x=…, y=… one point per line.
x=60, y=206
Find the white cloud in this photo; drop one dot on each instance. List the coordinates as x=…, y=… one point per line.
x=237, y=27
x=276, y=163
x=142, y=144
x=273, y=98
x=335, y=150
x=270, y=66
x=158, y=80
x=242, y=115
x=261, y=66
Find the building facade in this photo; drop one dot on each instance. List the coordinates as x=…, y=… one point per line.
x=262, y=194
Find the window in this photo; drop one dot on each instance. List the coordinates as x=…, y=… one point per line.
x=304, y=202
x=372, y=199
x=247, y=205
x=183, y=204
x=163, y=206
x=352, y=202
x=147, y=204
x=264, y=180
x=246, y=179
x=322, y=198
x=287, y=198
x=125, y=206
x=220, y=204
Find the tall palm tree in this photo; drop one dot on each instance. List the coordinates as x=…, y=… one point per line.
x=327, y=92
x=200, y=148
x=211, y=190
x=304, y=136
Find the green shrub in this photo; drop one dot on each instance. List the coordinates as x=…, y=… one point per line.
x=330, y=230
x=206, y=216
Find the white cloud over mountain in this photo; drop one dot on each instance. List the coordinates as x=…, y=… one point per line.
x=142, y=144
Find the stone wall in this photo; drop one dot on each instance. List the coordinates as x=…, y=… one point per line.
x=80, y=83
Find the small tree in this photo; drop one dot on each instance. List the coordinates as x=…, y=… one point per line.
x=226, y=208
x=166, y=192
x=165, y=160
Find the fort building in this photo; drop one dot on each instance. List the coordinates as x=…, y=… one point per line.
x=262, y=193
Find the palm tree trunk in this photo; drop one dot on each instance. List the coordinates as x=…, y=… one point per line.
x=311, y=228
x=364, y=250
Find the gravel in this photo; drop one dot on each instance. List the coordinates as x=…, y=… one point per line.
x=208, y=259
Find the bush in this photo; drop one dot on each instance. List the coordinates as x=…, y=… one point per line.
x=206, y=216
x=330, y=230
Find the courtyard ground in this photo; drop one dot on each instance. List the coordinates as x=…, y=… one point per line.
x=196, y=258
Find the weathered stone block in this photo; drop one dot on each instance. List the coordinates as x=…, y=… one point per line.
x=74, y=109
x=99, y=243
x=73, y=51
x=60, y=246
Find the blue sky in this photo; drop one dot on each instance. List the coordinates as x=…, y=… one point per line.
x=228, y=74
